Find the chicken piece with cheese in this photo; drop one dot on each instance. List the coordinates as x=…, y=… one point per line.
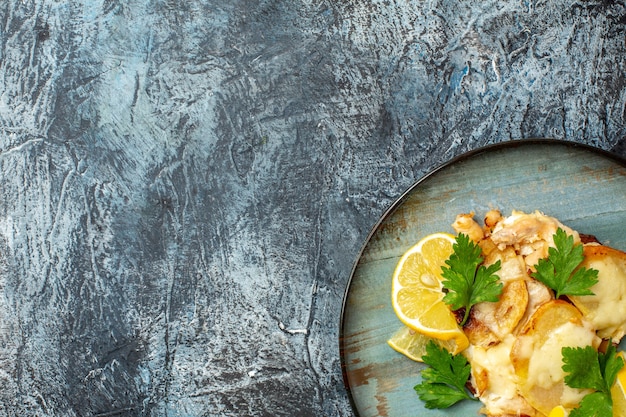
x=537, y=359
x=529, y=234
x=515, y=343
x=606, y=308
x=501, y=317
x=517, y=242
x=494, y=381
x=465, y=224
x=492, y=331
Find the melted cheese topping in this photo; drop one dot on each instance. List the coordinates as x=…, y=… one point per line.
x=546, y=361
x=497, y=361
x=500, y=396
x=609, y=302
x=518, y=242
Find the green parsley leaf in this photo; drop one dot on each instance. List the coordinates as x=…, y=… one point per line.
x=583, y=368
x=439, y=395
x=557, y=271
x=612, y=364
x=587, y=368
x=595, y=404
x=467, y=281
x=443, y=383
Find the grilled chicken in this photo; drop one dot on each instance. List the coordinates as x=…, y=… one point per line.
x=529, y=234
x=508, y=375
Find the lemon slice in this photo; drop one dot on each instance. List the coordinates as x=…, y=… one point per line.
x=558, y=411
x=413, y=345
x=618, y=391
x=416, y=291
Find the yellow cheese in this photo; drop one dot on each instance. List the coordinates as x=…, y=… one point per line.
x=606, y=309
x=546, y=362
x=500, y=396
x=501, y=373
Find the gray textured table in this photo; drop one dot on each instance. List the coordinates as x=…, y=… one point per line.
x=186, y=184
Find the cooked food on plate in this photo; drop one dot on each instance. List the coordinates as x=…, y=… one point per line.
x=520, y=312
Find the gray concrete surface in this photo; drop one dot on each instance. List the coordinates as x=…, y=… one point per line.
x=185, y=185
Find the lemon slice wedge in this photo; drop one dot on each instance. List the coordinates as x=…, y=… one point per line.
x=558, y=411
x=618, y=391
x=416, y=291
x=413, y=345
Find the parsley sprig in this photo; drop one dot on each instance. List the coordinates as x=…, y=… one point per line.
x=587, y=368
x=443, y=383
x=466, y=280
x=559, y=271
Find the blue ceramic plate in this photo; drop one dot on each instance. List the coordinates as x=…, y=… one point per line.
x=583, y=187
